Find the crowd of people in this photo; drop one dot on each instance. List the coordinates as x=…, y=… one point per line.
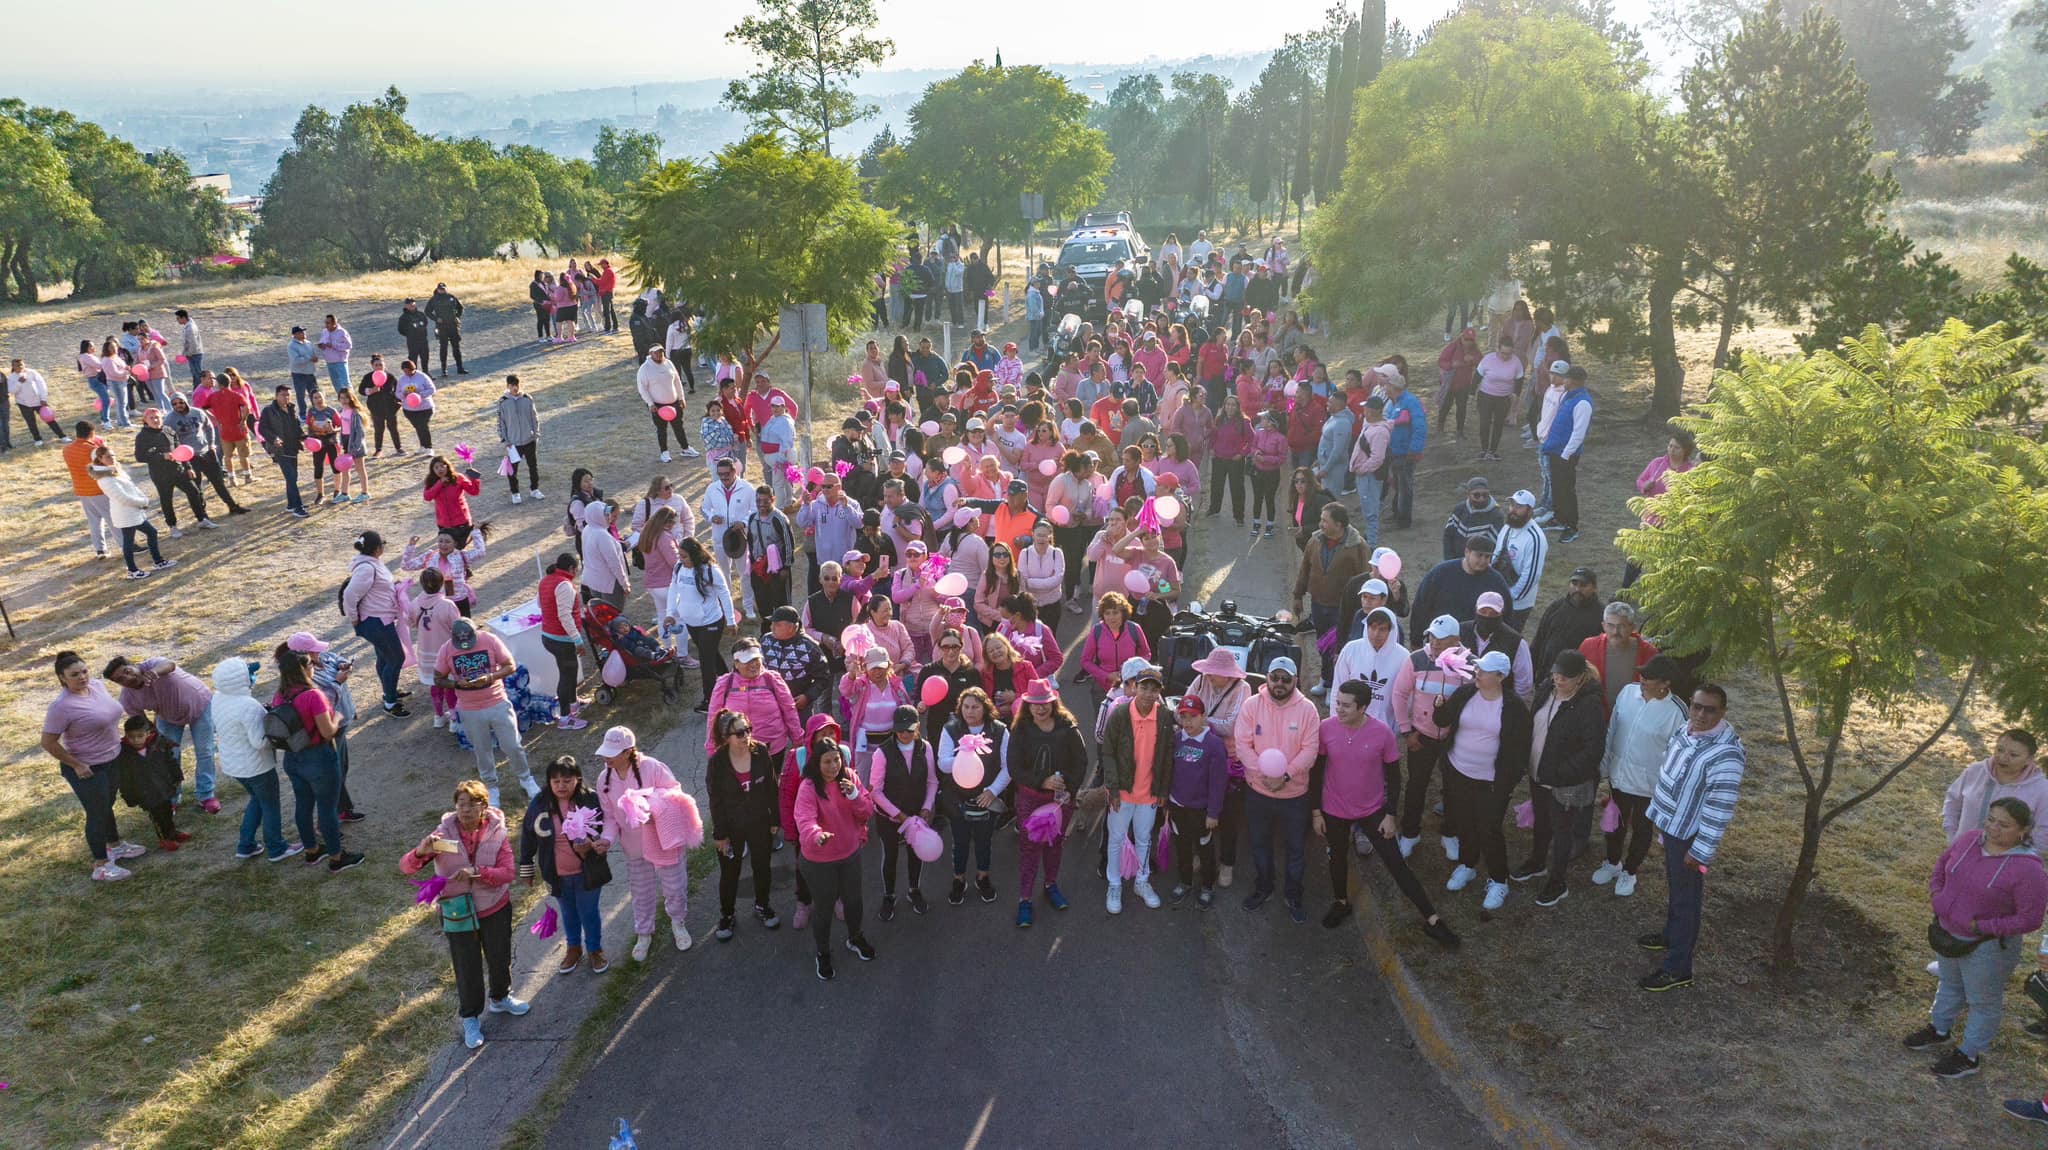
x=880, y=639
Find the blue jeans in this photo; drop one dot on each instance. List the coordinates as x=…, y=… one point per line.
x=103, y=398
x=1543, y=465
x=316, y=786
x=1404, y=489
x=1259, y=812
x=1370, y=491
x=196, y=361
x=337, y=376
x=96, y=795
x=582, y=921
x=117, y=399
x=1682, y=916
x=1978, y=980
x=302, y=387
x=266, y=809
x=201, y=739
x=383, y=639
x=288, y=466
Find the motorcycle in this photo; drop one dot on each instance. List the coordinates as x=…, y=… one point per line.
x=1256, y=642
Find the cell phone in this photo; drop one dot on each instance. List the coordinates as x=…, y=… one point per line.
x=446, y=846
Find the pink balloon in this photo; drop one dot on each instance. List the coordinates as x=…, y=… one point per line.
x=954, y=456
x=1167, y=507
x=181, y=359
x=181, y=453
x=1272, y=762
x=315, y=445
x=413, y=400
x=815, y=475
x=46, y=413
x=344, y=462
x=953, y=584
x=1136, y=583
x=934, y=691
x=1102, y=487
x=1390, y=566
x=967, y=770
x=141, y=372
x=1048, y=467
x=929, y=427
x=614, y=673
x=379, y=378
x=666, y=412
x=1060, y=516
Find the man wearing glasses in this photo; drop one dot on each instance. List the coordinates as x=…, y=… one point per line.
x=832, y=519
x=727, y=503
x=1278, y=718
x=1696, y=792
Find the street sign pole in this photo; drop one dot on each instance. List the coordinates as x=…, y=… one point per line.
x=806, y=324
x=1032, y=205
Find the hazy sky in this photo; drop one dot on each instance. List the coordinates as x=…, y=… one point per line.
x=531, y=45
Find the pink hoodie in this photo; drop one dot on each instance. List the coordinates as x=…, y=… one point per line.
x=846, y=820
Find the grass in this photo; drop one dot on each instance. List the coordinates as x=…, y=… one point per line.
x=274, y=1007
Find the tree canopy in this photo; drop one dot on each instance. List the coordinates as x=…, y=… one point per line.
x=809, y=51
x=757, y=227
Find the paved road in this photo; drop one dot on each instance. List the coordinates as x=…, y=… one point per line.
x=1169, y=1027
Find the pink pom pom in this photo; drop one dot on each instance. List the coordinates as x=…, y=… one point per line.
x=549, y=922
x=1148, y=516
x=430, y=889
x=1610, y=818
x=1127, y=860
x=975, y=744
x=854, y=380
x=181, y=359
x=677, y=823
x=793, y=473
x=1525, y=815
x=634, y=808
x=1456, y=662
x=841, y=467
x=582, y=823
x=1045, y=825
x=465, y=452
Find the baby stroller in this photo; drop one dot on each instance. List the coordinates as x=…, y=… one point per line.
x=643, y=654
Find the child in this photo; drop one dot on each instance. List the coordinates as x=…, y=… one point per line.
x=433, y=619
x=149, y=778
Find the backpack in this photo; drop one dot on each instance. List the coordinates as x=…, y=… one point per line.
x=284, y=728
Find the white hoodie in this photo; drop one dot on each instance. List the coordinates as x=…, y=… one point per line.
x=1358, y=660
x=238, y=723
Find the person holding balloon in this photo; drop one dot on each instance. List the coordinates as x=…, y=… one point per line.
x=903, y=776
x=972, y=739
x=941, y=682
x=416, y=396
x=380, y=394
x=321, y=421
x=199, y=441
x=1278, y=735
x=1070, y=507
x=170, y=469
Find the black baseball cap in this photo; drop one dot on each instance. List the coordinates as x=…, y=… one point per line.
x=906, y=718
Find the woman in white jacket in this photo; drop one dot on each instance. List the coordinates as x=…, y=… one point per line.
x=128, y=507
x=246, y=757
x=605, y=575
x=700, y=601
x=1646, y=713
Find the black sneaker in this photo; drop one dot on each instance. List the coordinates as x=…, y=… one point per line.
x=346, y=860
x=985, y=888
x=1338, y=912
x=1256, y=899
x=1552, y=895
x=917, y=902
x=724, y=931
x=1926, y=1038
x=1528, y=869
x=824, y=966
x=768, y=918
x=1178, y=893
x=313, y=855
x=1441, y=932
x=352, y=816
x=957, y=894
x=889, y=908
x=1658, y=981
x=1955, y=1064
x=1295, y=912
x=1206, y=899
x=397, y=710
x=860, y=945
x=1652, y=942
x=2038, y=1028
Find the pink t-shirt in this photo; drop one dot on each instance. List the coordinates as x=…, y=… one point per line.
x=89, y=725
x=489, y=652
x=1355, y=774
x=1497, y=374
x=1478, y=743
x=310, y=704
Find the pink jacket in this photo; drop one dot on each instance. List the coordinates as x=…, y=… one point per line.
x=1269, y=450
x=639, y=842
x=1103, y=654
x=765, y=701
x=846, y=820
x=491, y=890
x=451, y=505
x=1044, y=574
x=1294, y=727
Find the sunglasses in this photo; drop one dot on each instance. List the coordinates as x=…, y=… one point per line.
x=1279, y=677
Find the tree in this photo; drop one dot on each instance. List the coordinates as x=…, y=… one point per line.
x=810, y=52
x=621, y=156
x=2035, y=15
x=1133, y=126
x=758, y=227
x=40, y=210
x=1452, y=170
x=1904, y=50
x=1196, y=115
x=1857, y=529
x=1372, y=44
x=491, y=200
x=347, y=193
x=981, y=138
x=871, y=156
x=578, y=214
x=1336, y=114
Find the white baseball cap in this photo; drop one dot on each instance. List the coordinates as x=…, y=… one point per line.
x=1443, y=627
x=617, y=741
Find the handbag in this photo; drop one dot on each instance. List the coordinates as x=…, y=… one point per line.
x=2037, y=989
x=1948, y=945
x=597, y=871
x=458, y=914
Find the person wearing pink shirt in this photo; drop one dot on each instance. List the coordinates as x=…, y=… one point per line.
x=1279, y=718
x=831, y=814
x=1041, y=448
x=471, y=851
x=1681, y=454
x=652, y=870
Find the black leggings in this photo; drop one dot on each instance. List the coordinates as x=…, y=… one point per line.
x=1229, y=471
x=1192, y=840
x=1338, y=835
x=1423, y=764
x=892, y=845
x=832, y=882
x=1265, y=486
x=543, y=320
x=168, y=482
x=757, y=843
x=1445, y=402
x=530, y=452
x=483, y=961
x=568, y=670
x=382, y=421
x=1476, y=808
x=1493, y=419
x=419, y=421
x=1635, y=819
x=662, y=426
x=1230, y=826
x=1073, y=543
x=710, y=662
x=28, y=416
x=166, y=822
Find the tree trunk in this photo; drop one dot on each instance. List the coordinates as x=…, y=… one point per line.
x=1782, y=955
x=1732, y=303
x=1669, y=395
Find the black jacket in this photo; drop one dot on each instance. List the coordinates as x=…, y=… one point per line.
x=1576, y=741
x=153, y=446
x=1036, y=755
x=1512, y=762
x=280, y=430
x=537, y=837
x=446, y=312
x=149, y=777
x=1564, y=626
x=737, y=811
x=413, y=326
x=1505, y=639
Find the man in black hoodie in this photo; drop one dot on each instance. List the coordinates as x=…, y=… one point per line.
x=446, y=312
x=153, y=447
x=284, y=438
x=413, y=324
x=1571, y=620
x=1476, y=516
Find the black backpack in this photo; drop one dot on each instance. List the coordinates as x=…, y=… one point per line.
x=284, y=729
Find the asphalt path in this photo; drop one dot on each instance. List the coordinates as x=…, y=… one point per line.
x=1168, y=1027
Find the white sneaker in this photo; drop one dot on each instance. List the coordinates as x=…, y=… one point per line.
x=493, y=792
x=1114, y=902
x=531, y=788
x=682, y=934
x=1146, y=892
x=1408, y=845
x=691, y=453
x=508, y=1005
x=538, y=495
x=665, y=457
x=472, y=1032
x=1606, y=873
x=1624, y=885
x=1361, y=842
x=209, y=524
x=1933, y=968
x=177, y=532
x=1461, y=878
x=1223, y=877
x=1450, y=846
x=111, y=871
x=1318, y=690
x=1496, y=894
x=1545, y=516
x=516, y=501
x=123, y=851
x=439, y=722
x=641, y=945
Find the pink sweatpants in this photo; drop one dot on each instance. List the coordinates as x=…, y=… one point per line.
x=674, y=882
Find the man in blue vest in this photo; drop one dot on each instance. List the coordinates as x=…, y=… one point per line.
x=1565, y=446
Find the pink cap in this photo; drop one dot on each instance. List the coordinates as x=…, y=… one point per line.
x=305, y=643
x=1492, y=599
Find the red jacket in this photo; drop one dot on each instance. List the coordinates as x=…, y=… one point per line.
x=793, y=768
x=1305, y=421
x=451, y=507
x=1595, y=651
x=607, y=281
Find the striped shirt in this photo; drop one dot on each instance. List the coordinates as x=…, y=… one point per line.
x=1697, y=787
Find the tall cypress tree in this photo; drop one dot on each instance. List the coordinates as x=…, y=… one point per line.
x=1342, y=83
x=1372, y=43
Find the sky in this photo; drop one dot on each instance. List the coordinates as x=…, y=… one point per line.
x=250, y=45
